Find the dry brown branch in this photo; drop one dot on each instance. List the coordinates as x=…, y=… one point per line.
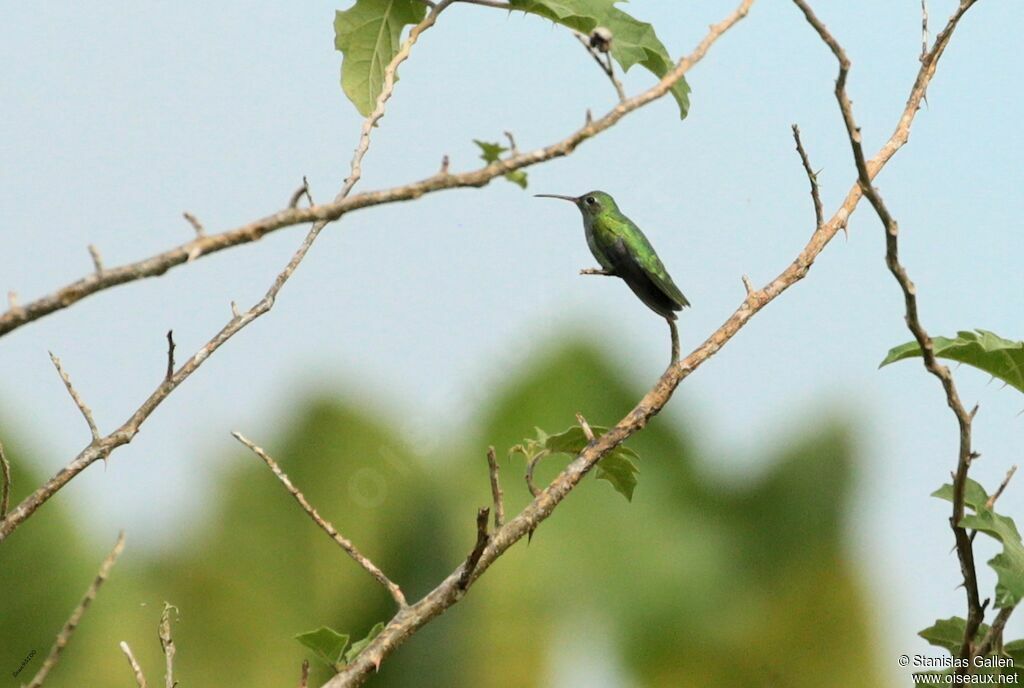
x=965, y=551
x=167, y=644
x=409, y=621
x=304, y=675
x=76, y=616
x=604, y=63
x=478, y=549
x=299, y=193
x=75, y=397
x=101, y=447
x=325, y=525
x=443, y=179
x=747, y=285
x=993, y=640
x=170, y=355
x=140, y=678
x=97, y=259
x=1002, y=487
x=5, y=482
x=196, y=224
x=812, y=177
x=496, y=494
x=588, y=432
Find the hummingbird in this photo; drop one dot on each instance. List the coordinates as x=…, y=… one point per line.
x=623, y=251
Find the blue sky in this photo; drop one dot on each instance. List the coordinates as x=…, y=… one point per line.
x=117, y=118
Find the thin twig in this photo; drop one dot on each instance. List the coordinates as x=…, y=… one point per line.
x=965, y=551
x=606, y=66
x=76, y=616
x=597, y=271
x=303, y=190
x=196, y=224
x=100, y=448
x=85, y=410
x=482, y=538
x=324, y=524
x=170, y=355
x=534, y=490
x=496, y=494
x=1002, y=486
x=674, y=334
x=97, y=259
x=5, y=483
x=304, y=676
x=167, y=644
x=140, y=678
x=924, y=30
x=812, y=177
x=747, y=285
x=993, y=640
x=588, y=432
x=488, y=3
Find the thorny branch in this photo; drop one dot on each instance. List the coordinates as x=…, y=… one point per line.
x=965, y=551
x=101, y=447
x=76, y=616
x=325, y=525
x=409, y=621
x=812, y=177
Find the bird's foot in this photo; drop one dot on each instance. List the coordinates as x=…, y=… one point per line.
x=597, y=271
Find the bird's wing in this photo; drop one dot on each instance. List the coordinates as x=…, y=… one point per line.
x=641, y=251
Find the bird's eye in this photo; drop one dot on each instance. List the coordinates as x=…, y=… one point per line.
x=590, y=200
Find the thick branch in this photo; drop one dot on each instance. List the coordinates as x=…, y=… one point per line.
x=325, y=525
x=409, y=621
x=965, y=552
x=76, y=616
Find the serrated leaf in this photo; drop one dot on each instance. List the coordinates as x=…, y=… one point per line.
x=1009, y=564
x=1001, y=358
x=571, y=441
x=326, y=643
x=368, y=36
x=633, y=41
x=360, y=645
x=490, y=152
x=949, y=633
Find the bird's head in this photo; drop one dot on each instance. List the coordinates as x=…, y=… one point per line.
x=591, y=204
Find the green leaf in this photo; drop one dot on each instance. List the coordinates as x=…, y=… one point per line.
x=949, y=633
x=327, y=644
x=360, y=645
x=617, y=467
x=1009, y=564
x=633, y=42
x=1000, y=358
x=491, y=153
x=368, y=36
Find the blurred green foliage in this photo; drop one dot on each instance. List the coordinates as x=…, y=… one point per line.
x=694, y=583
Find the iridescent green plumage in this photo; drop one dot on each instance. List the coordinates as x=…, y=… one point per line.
x=623, y=251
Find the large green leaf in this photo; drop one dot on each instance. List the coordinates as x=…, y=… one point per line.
x=327, y=644
x=368, y=36
x=1000, y=358
x=1009, y=564
x=633, y=41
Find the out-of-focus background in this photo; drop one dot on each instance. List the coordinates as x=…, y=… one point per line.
x=782, y=532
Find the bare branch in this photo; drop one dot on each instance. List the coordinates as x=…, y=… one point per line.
x=102, y=447
x=496, y=494
x=304, y=676
x=167, y=644
x=597, y=271
x=97, y=259
x=303, y=190
x=170, y=355
x=964, y=548
x=76, y=616
x=481, y=543
x=196, y=224
x=747, y=285
x=605, y=64
x=86, y=411
x=924, y=30
x=1002, y=486
x=674, y=334
x=812, y=177
x=5, y=482
x=325, y=525
x=534, y=490
x=140, y=678
x=588, y=432
x=993, y=640
x=253, y=231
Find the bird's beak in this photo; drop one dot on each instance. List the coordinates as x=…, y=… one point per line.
x=571, y=199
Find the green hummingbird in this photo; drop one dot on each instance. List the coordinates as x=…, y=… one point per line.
x=623, y=251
